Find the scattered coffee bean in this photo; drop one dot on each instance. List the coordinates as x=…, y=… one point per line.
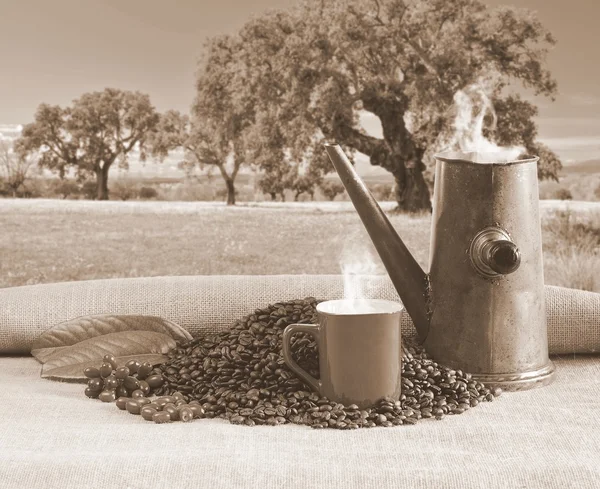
x=133, y=366
x=91, y=373
x=105, y=370
x=148, y=413
x=122, y=403
x=137, y=394
x=161, y=417
x=143, y=370
x=111, y=360
x=186, y=414
x=121, y=373
x=133, y=406
x=92, y=394
x=107, y=395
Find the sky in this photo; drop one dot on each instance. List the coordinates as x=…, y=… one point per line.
x=53, y=51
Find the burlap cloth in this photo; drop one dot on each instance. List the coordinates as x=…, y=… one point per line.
x=201, y=303
x=52, y=436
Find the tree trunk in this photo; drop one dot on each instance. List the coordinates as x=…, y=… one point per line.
x=273, y=196
x=411, y=192
x=102, y=184
x=230, y=191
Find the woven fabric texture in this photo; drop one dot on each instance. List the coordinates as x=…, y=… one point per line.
x=209, y=303
x=52, y=436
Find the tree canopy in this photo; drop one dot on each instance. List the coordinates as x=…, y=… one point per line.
x=97, y=130
x=303, y=77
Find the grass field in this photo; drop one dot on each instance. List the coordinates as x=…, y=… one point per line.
x=52, y=241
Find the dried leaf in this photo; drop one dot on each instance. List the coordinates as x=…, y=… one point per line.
x=68, y=348
x=82, y=328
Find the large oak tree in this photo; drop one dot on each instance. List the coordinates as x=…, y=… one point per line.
x=309, y=72
x=97, y=130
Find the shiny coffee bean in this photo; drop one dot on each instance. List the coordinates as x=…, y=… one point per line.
x=143, y=371
x=173, y=412
x=178, y=396
x=92, y=394
x=122, y=403
x=144, y=387
x=111, y=382
x=148, y=413
x=121, y=373
x=161, y=417
x=137, y=393
x=186, y=414
x=111, y=360
x=133, y=406
x=107, y=395
x=96, y=384
x=197, y=410
x=105, y=370
x=154, y=381
x=133, y=366
x=131, y=383
x=91, y=372
x=121, y=391
x=153, y=405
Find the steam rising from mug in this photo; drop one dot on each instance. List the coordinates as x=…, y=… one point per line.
x=472, y=105
x=359, y=269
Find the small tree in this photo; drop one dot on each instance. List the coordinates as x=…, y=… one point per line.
x=66, y=188
x=148, y=193
x=15, y=169
x=99, y=129
x=331, y=189
x=563, y=194
x=124, y=189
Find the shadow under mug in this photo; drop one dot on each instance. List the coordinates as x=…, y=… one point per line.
x=360, y=350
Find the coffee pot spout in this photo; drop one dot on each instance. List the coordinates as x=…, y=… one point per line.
x=409, y=279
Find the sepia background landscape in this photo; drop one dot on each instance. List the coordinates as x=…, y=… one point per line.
x=146, y=138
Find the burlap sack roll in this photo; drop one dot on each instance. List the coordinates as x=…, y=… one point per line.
x=210, y=303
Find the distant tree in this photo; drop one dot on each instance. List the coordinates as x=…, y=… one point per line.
x=147, y=193
x=214, y=134
x=66, y=188
x=15, y=169
x=97, y=130
x=331, y=189
x=309, y=73
x=563, y=194
x=124, y=189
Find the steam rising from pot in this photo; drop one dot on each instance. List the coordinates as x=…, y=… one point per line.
x=472, y=106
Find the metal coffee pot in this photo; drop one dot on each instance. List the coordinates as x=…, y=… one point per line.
x=481, y=307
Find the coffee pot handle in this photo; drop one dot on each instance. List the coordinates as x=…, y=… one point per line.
x=312, y=329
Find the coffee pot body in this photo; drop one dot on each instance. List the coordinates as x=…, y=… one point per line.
x=480, y=308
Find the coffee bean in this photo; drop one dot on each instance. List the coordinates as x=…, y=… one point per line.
x=186, y=414
x=133, y=366
x=92, y=394
x=105, y=370
x=154, y=381
x=107, y=395
x=161, y=417
x=91, y=372
x=137, y=394
x=148, y=413
x=121, y=391
x=111, y=382
x=121, y=373
x=111, y=360
x=96, y=384
x=131, y=383
x=133, y=406
x=122, y=403
x=144, y=370
x=172, y=410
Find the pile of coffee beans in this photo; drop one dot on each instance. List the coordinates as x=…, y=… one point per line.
x=239, y=374
x=110, y=381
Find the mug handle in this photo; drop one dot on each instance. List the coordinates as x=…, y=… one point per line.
x=286, y=339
